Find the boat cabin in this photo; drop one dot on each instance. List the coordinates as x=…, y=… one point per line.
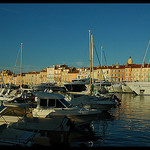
x=47, y=100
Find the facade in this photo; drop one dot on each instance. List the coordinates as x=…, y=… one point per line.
x=32, y=78
x=50, y=75
x=104, y=73
x=117, y=73
x=6, y=76
x=43, y=76
x=62, y=73
x=72, y=75
x=20, y=79
x=141, y=72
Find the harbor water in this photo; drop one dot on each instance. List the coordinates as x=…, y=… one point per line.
x=127, y=125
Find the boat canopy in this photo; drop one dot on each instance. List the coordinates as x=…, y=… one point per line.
x=44, y=95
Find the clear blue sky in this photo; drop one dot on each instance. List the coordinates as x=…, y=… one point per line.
x=58, y=33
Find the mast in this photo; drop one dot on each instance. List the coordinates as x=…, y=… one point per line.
x=21, y=68
x=92, y=60
x=101, y=55
x=90, y=55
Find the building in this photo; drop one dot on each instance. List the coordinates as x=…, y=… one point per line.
x=72, y=74
x=6, y=76
x=32, y=78
x=43, y=76
x=104, y=73
x=117, y=73
x=62, y=73
x=140, y=72
x=50, y=75
x=20, y=79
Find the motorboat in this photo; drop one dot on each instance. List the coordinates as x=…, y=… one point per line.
x=126, y=88
x=115, y=88
x=54, y=105
x=98, y=102
x=16, y=137
x=140, y=88
x=77, y=85
x=47, y=86
x=52, y=130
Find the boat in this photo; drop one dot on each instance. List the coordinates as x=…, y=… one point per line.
x=52, y=130
x=11, y=95
x=126, y=88
x=140, y=88
x=47, y=86
x=12, y=112
x=16, y=137
x=77, y=85
x=55, y=105
x=98, y=102
x=115, y=88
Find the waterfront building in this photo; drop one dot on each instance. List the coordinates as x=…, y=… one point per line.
x=128, y=69
x=117, y=73
x=20, y=79
x=141, y=72
x=50, y=75
x=94, y=73
x=72, y=74
x=43, y=76
x=32, y=78
x=6, y=76
x=103, y=73
x=62, y=73
x=58, y=73
x=83, y=72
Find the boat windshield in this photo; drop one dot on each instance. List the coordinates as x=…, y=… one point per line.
x=65, y=103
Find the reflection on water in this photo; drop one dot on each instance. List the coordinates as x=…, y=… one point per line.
x=125, y=125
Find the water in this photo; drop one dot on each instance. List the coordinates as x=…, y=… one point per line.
x=125, y=125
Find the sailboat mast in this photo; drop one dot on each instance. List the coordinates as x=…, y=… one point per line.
x=90, y=54
x=21, y=68
x=92, y=61
x=101, y=55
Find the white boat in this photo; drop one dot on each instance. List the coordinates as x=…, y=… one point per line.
x=115, y=88
x=126, y=88
x=52, y=104
x=92, y=102
x=140, y=88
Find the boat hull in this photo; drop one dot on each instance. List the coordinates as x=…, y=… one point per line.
x=140, y=88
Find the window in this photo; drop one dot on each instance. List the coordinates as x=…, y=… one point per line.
x=43, y=102
x=65, y=102
x=51, y=102
x=59, y=104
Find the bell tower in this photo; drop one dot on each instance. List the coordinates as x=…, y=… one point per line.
x=130, y=61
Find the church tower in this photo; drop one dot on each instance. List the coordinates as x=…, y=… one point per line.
x=130, y=61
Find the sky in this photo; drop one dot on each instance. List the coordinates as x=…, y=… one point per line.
x=59, y=34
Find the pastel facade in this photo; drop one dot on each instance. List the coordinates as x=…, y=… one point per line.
x=62, y=73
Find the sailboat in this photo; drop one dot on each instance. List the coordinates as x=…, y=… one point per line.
x=88, y=99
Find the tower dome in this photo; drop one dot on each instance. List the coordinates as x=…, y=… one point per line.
x=130, y=60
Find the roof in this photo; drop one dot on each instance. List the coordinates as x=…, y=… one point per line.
x=33, y=72
x=44, y=95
